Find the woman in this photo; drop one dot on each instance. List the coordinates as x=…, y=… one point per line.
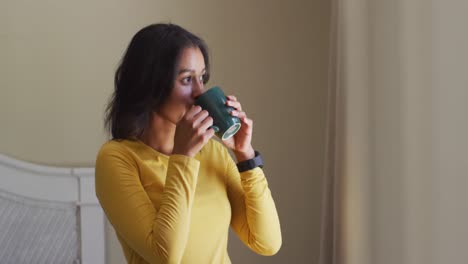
x=169, y=190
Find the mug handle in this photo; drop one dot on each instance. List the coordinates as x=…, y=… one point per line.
x=215, y=128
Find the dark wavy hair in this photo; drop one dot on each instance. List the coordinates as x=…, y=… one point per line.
x=145, y=77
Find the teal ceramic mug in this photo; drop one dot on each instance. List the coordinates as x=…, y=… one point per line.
x=214, y=101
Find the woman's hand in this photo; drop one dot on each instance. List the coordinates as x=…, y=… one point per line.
x=193, y=132
x=241, y=142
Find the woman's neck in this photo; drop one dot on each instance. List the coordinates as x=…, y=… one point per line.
x=160, y=135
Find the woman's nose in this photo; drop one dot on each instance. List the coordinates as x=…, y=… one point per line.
x=198, y=88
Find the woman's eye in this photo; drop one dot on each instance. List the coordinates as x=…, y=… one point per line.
x=187, y=79
x=203, y=78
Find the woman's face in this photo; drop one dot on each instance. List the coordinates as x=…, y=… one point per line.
x=189, y=83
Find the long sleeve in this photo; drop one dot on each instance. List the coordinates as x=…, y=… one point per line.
x=157, y=236
x=254, y=217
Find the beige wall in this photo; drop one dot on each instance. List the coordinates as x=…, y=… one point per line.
x=57, y=61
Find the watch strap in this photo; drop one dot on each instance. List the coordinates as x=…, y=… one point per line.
x=251, y=163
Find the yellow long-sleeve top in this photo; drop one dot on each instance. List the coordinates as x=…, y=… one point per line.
x=178, y=209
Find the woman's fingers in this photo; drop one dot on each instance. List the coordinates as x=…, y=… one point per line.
x=234, y=104
x=239, y=114
x=232, y=101
x=199, y=117
x=206, y=124
x=202, y=121
x=192, y=132
x=192, y=112
x=242, y=116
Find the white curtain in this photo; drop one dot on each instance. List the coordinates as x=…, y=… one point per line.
x=344, y=220
x=396, y=159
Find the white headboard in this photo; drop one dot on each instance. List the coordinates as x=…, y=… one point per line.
x=49, y=214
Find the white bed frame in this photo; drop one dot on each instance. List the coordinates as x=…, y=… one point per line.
x=75, y=185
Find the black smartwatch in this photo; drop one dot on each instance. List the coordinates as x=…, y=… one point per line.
x=251, y=163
